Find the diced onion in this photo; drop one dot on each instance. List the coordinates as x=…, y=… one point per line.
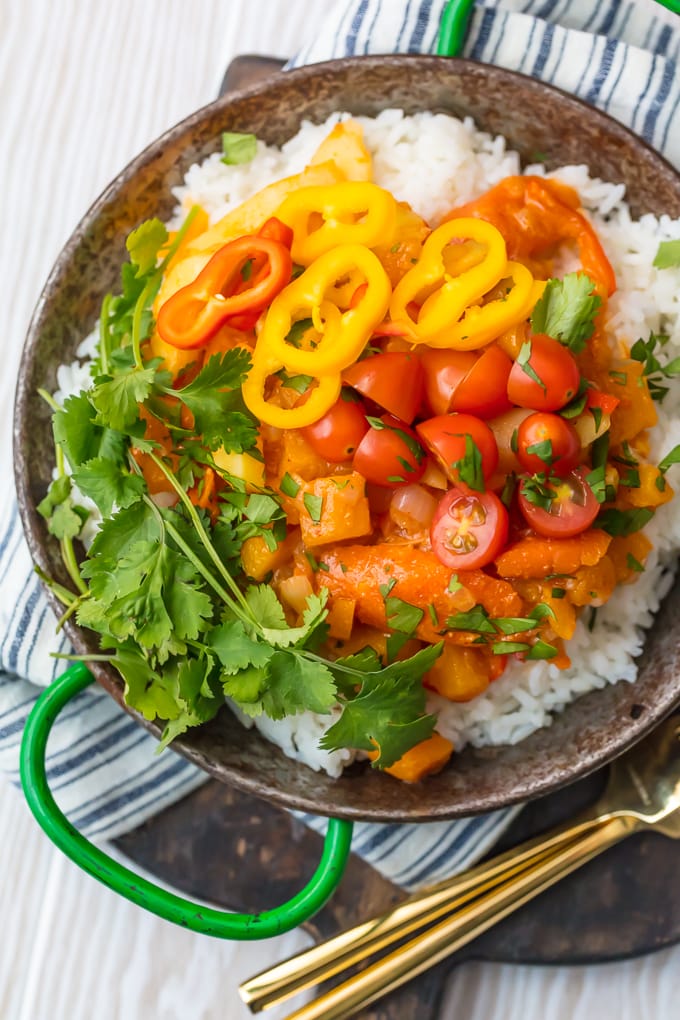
x=503, y=428
x=412, y=507
x=294, y=592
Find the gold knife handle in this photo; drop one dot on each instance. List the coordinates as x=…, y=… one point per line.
x=353, y=945
x=438, y=942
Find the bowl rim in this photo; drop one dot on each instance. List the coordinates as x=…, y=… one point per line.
x=36, y=535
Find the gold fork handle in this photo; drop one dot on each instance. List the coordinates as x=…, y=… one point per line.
x=455, y=931
x=355, y=944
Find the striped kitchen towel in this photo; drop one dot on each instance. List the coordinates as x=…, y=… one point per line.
x=105, y=775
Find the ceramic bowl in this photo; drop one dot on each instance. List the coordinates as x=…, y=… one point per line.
x=534, y=118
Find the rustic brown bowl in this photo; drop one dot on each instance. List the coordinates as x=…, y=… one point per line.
x=534, y=118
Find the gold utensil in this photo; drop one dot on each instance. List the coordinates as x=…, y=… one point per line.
x=643, y=792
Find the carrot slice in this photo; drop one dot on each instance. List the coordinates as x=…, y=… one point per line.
x=415, y=576
x=538, y=557
x=428, y=756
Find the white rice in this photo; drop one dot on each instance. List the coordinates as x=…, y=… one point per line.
x=435, y=162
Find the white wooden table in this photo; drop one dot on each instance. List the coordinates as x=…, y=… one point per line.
x=83, y=87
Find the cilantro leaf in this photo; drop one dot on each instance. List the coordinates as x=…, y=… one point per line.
x=673, y=457
x=469, y=467
x=64, y=518
x=667, y=255
x=523, y=360
x=566, y=310
x=143, y=245
x=402, y=615
x=106, y=483
x=116, y=399
x=80, y=437
x=313, y=505
x=154, y=596
x=198, y=696
x=236, y=649
x=238, y=148
x=388, y=711
x=214, y=398
x=295, y=684
x=148, y=691
x=623, y=522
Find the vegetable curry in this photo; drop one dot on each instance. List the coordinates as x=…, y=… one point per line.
x=344, y=456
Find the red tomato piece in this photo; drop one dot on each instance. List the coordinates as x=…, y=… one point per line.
x=394, y=381
x=605, y=401
x=336, y=436
x=484, y=390
x=469, y=529
x=444, y=372
x=448, y=438
x=572, y=511
x=389, y=454
x=545, y=376
x=546, y=442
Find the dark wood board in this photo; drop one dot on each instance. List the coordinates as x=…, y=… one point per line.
x=217, y=844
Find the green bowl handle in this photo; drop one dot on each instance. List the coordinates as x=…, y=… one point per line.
x=197, y=917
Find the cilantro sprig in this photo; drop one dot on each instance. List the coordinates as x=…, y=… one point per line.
x=566, y=310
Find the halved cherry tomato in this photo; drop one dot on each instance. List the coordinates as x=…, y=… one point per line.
x=484, y=390
x=469, y=529
x=394, y=381
x=444, y=372
x=389, y=454
x=467, y=381
x=547, y=442
x=337, y=435
x=446, y=438
x=549, y=362
x=572, y=511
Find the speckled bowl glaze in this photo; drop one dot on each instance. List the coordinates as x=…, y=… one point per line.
x=534, y=118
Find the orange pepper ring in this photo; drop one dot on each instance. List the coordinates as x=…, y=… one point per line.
x=194, y=313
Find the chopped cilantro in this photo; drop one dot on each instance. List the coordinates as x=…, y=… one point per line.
x=634, y=564
x=523, y=360
x=238, y=148
x=402, y=615
x=623, y=522
x=469, y=467
x=314, y=506
x=673, y=457
x=667, y=255
x=289, y=487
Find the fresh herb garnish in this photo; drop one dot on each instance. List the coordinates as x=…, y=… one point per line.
x=289, y=487
x=667, y=255
x=314, y=506
x=566, y=310
x=623, y=522
x=647, y=353
x=523, y=362
x=238, y=148
x=469, y=467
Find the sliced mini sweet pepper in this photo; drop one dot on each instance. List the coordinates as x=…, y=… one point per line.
x=341, y=316
x=439, y=299
x=351, y=212
x=537, y=215
x=321, y=397
x=241, y=278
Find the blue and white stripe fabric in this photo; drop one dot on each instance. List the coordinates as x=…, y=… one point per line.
x=103, y=768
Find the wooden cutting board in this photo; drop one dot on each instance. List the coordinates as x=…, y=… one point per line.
x=225, y=847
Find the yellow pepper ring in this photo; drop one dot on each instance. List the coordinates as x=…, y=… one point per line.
x=352, y=212
x=320, y=400
x=481, y=324
x=345, y=333
x=448, y=296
